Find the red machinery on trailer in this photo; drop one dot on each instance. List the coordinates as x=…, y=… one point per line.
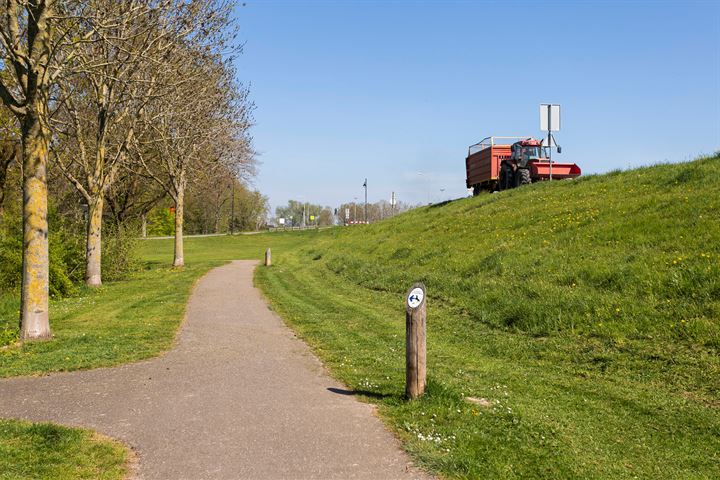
x=499, y=166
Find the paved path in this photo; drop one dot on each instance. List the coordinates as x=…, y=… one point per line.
x=238, y=397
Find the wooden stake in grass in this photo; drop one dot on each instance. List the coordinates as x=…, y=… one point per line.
x=415, y=351
x=268, y=258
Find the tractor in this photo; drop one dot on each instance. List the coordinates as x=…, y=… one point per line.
x=499, y=166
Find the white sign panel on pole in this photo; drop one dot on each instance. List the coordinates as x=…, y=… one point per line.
x=347, y=214
x=549, y=117
x=281, y=221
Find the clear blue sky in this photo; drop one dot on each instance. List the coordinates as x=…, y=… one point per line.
x=384, y=90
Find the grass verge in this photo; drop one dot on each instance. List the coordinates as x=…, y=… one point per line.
x=44, y=450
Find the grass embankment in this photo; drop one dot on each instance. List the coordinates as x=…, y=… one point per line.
x=44, y=450
x=587, y=313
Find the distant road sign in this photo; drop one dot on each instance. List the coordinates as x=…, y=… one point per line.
x=281, y=221
x=549, y=117
x=312, y=217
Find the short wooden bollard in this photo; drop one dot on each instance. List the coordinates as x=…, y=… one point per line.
x=415, y=348
x=268, y=259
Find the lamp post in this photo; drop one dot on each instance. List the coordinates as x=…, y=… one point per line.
x=365, y=186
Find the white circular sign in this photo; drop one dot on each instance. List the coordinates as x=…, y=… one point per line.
x=416, y=297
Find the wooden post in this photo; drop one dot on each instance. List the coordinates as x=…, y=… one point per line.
x=415, y=350
x=268, y=259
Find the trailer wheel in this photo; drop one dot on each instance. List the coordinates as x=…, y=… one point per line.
x=476, y=190
x=507, y=178
x=522, y=176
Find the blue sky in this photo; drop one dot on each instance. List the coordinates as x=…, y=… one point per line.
x=384, y=90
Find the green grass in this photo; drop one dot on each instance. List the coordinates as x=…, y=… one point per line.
x=45, y=450
x=586, y=311
x=128, y=320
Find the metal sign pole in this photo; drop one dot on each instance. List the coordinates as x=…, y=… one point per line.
x=550, y=138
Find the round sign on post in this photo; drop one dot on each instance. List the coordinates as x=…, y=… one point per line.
x=415, y=348
x=415, y=297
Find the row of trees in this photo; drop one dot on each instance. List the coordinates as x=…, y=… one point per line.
x=297, y=213
x=131, y=102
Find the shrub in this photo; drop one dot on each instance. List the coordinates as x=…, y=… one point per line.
x=119, y=255
x=161, y=222
x=65, y=252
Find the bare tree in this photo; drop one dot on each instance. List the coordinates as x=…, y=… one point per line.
x=27, y=48
x=199, y=127
x=102, y=100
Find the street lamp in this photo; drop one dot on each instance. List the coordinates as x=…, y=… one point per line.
x=365, y=185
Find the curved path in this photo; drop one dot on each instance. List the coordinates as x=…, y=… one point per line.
x=238, y=397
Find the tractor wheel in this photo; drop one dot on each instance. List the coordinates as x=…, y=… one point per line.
x=507, y=178
x=523, y=176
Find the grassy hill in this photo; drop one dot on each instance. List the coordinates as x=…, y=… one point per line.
x=625, y=256
x=587, y=312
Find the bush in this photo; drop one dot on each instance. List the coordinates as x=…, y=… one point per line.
x=66, y=258
x=119, y=251
x=161, y=222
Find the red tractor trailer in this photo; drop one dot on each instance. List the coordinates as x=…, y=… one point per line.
x=494, y=164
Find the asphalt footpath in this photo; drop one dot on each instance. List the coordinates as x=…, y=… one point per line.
x=238, y=397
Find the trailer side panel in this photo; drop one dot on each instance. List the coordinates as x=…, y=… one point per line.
x=484, y=166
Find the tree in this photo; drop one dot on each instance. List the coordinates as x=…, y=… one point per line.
x=201, y=124
x=303, y=211
x=376, y=211
x=251, y=211
x=28, y=45
x=183, y=130
x=133, y=196
x=103, y=96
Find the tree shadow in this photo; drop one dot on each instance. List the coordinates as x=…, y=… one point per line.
x=366, y=393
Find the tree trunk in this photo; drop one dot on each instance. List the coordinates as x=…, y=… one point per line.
x=93, y=244
x=34, y=319
x=144, y=226
x=178, y=261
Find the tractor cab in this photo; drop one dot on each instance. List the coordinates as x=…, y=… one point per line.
x=527, y=151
